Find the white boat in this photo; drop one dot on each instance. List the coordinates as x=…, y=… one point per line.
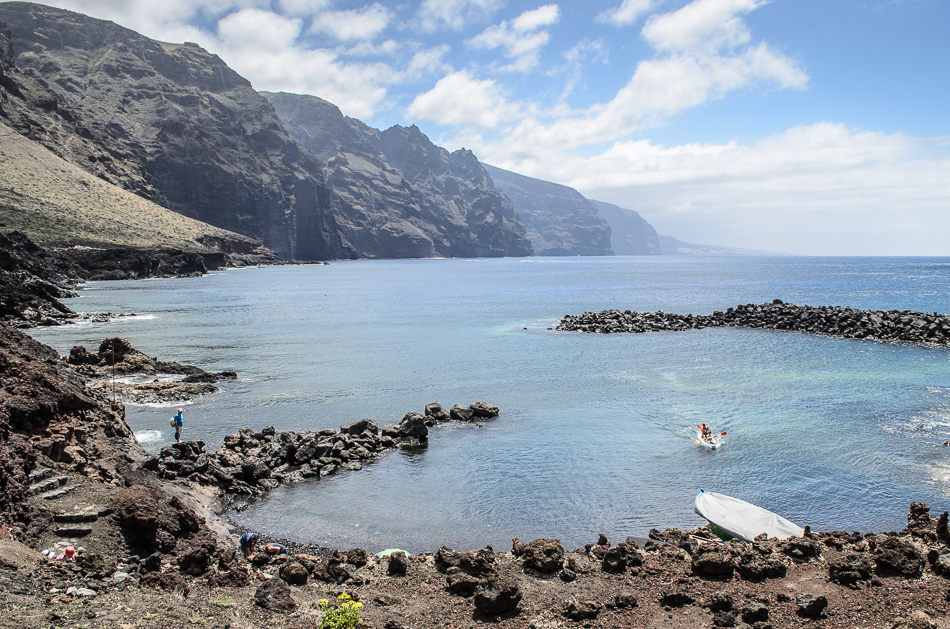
x=712, y=442
x=741, y=519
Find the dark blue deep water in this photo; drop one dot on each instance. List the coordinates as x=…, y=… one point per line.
x=596, y=432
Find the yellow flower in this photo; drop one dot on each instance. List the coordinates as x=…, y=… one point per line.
x=323, y=602
x=343, y=597
x=357, y=606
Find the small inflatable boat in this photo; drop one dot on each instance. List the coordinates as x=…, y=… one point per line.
x=743, y=520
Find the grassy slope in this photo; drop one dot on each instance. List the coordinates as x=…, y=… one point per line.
x=58, y=204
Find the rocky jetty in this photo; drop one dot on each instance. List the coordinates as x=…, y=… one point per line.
x=898, y=326
x=252, y=463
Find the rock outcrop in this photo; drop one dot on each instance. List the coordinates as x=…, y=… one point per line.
x=558, y=220
x=630, y=234
x=903, y=326
x=396, y=194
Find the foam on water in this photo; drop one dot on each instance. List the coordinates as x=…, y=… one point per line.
x=148, y=436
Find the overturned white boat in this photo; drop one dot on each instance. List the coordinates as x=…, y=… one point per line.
x=741, y=519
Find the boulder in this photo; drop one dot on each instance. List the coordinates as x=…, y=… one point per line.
x=446, y=558
x=710, y=561
x=850, y=569
x=478, y=563
x=615, y=559
x=357, y=556
x=461, y=583
x=462, y=413
x=718, y=602
x=294, y=573
x=811, y=605
x=801, y=548
x=413, y=426
x=676, y=598
x=582, y=610
x=543, y=555
x=194, y=561
x=274, y=595
x=437, y=412
x=895, y=557
x=754, y=567
x=484, y=409
x=361, y=426
x=398, y=563
x=498, y=596
x=754, y=611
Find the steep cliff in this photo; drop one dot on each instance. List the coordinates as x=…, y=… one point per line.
x=396, y=194
x=171, y=123
x=630, y=234
x=559, y=221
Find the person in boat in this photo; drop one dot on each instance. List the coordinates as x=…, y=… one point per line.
x=705, y=433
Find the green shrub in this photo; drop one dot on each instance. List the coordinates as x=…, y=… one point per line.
x=344, y=616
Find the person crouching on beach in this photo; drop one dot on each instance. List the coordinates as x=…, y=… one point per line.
x=248, y=542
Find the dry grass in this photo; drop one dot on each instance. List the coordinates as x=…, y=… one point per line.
x=58, y=204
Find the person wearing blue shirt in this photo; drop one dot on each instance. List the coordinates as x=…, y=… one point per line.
x=248, y=542
x=179, y=423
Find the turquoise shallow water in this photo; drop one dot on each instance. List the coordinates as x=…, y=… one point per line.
x=596, y=432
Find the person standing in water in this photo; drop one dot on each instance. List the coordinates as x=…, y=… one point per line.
x=179, y=424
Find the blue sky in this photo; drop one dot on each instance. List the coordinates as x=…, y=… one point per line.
x=801, y=126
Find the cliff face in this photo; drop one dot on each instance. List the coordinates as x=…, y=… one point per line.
x=396, y=194
x=171, y=123
x=630, y=234
x=559, y=221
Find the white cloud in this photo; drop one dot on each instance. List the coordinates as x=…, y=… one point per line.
x=627, y=13
x=303, y=7
x=262, y=45
x=521, y=38
x=354, y=24
x=460, y=99
x=814, y=189
x=546, y=15
x=701, y=24
x=428, y=61
x=454, y=14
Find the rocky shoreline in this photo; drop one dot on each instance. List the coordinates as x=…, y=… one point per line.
x=252, y=463
x=33, y=278
x=895, y=326
x=155, y=551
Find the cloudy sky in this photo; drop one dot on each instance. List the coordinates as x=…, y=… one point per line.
x=801, y=126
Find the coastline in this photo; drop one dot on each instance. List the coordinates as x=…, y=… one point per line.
x=150, y=537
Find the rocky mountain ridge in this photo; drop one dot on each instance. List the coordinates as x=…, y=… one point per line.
x=171, y=123
x=396, y=194
x=558, y=219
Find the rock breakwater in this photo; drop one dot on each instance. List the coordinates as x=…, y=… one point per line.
x=898, y=326
x=252, y=463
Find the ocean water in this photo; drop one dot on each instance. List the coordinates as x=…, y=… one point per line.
x=596, y=431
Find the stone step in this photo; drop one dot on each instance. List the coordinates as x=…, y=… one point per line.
x=57, y=493
x=80, y=517
x=40, y=473
x=73, y=532
x=48, y=485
